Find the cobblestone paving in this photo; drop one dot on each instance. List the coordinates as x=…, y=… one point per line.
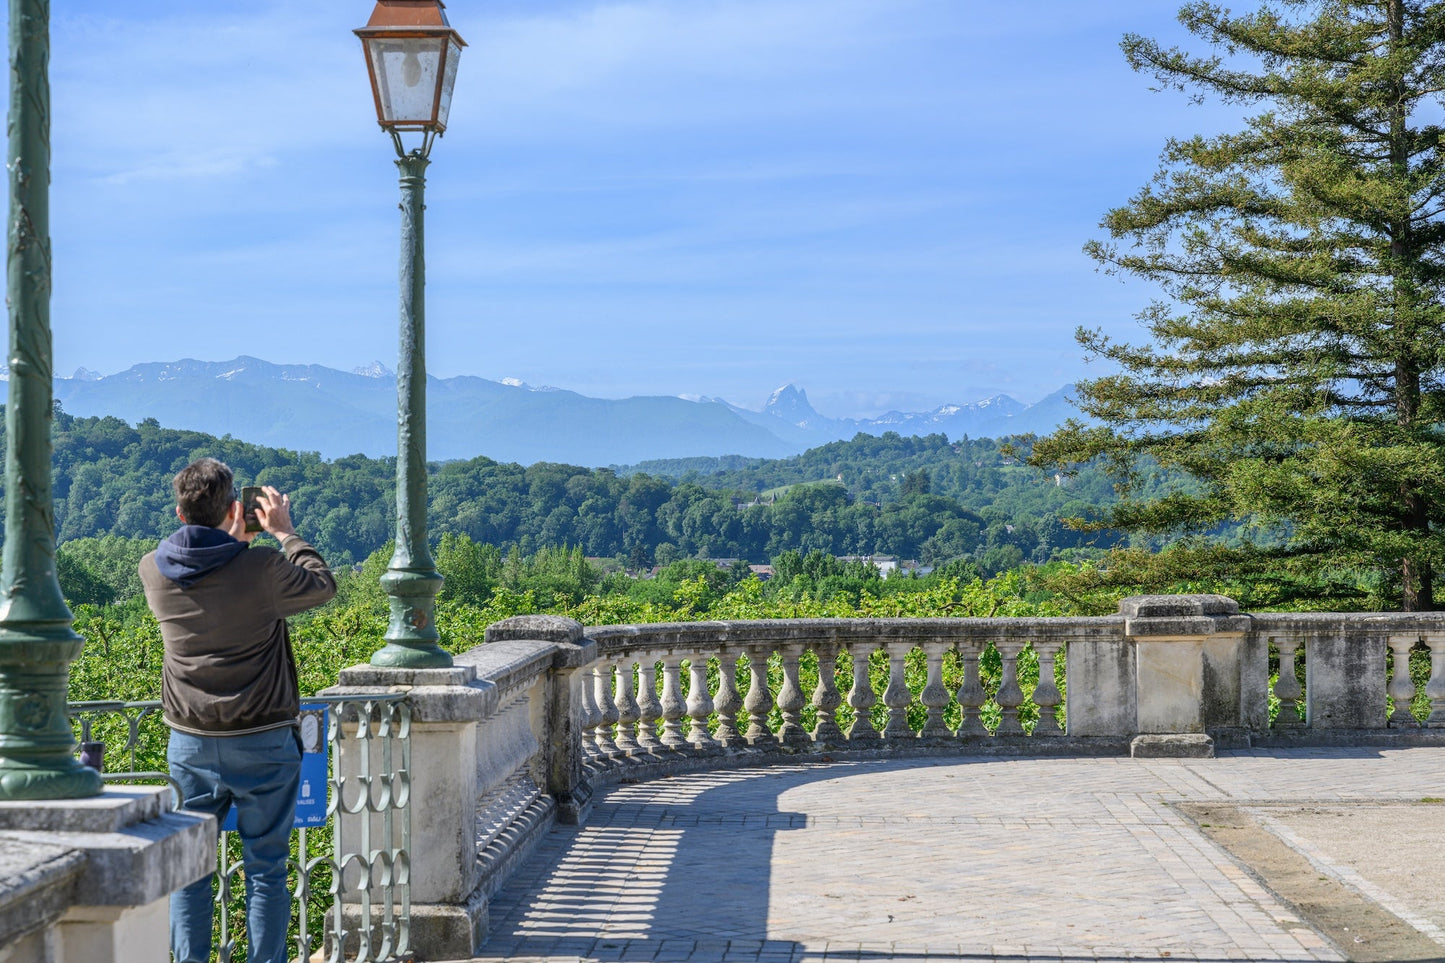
x=959, y=859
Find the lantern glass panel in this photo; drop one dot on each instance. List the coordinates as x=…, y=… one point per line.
x=405, y=70
x=449, y=80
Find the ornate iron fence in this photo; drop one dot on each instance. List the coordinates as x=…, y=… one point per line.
x=352, y=883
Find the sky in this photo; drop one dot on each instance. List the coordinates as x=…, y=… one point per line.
x=881, y=201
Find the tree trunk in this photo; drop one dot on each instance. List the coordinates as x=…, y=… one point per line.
x=1417, y=589
x=1418, y=593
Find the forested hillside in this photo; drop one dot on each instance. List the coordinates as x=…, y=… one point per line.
x=976, y=471
x=920, y=498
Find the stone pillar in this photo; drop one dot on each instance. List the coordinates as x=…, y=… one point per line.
x=1186, y=670
x=565, y=713
x=88, y=881
x=448, y=907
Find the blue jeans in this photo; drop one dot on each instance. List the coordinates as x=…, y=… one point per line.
x=259, y=772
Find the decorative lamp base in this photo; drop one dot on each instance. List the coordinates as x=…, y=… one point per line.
x=52, y=777
x=412, y=655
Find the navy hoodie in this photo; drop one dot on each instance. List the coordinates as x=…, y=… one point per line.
x=194, y=552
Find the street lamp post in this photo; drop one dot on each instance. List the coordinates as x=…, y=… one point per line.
x=411, y=55
x=37, y=643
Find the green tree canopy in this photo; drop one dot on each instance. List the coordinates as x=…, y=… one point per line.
x=1296, y=358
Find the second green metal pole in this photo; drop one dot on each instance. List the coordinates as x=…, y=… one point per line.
x=411, y=580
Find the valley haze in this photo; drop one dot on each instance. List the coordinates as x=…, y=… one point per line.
x=338, y=413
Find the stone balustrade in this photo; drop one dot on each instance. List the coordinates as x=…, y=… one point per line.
x=522, y=730
x=1167, y=675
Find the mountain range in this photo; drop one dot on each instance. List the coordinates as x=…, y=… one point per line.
x=336, y=413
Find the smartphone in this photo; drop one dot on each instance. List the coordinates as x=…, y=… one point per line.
x=249, y=494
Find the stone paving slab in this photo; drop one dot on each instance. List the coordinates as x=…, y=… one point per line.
x=973, y=859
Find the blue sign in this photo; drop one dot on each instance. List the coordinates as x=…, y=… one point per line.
x=315, y=771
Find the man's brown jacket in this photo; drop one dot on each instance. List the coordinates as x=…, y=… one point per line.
x=229, y=668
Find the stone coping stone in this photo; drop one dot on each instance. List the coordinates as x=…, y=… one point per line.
x=110, y=812
x=539, y=628
x=35, y=884
x=438, y=704
x=508, y=663
x=1312, y=623
x=135, y=865
x=1176, y=606
x=371, y=676
x=708, y=636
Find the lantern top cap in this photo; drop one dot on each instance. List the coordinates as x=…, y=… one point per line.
x=426, y=17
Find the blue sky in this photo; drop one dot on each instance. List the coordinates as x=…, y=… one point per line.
x=882, y=201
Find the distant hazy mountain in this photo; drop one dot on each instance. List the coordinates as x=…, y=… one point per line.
x=788, y=413
x=313, y=408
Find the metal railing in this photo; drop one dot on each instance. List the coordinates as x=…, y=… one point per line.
x=352, y=883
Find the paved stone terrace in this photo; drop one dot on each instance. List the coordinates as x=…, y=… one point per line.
x=975, y=859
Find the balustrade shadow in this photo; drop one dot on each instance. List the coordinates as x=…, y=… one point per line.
x=664, y=870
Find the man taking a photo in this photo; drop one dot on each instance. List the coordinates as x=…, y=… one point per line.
x=229, y=688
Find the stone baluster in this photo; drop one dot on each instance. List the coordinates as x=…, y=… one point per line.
x=861, y=697
x=673, y=705
x=699, y=703
x=826, y=699
x=1402, y=687
x=1435, y=688
x=1046, y=694
x=791, y=700
x=1009, y=696
x=728, y=701
x=602, y=692
x=627, y=713
x=1287, y=688
x=971, y=694
x=759, y=701
x=591, y=716
x=649, y=709
x=935, y=695
x=897, y=697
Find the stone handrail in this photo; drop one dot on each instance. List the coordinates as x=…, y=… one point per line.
x=517, y=735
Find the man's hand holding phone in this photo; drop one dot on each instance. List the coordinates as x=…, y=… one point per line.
x=263, y=509
x=273, y=511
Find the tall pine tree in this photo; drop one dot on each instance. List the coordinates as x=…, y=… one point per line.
x=1295, y=361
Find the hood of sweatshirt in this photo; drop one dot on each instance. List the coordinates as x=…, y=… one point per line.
x=194, y=552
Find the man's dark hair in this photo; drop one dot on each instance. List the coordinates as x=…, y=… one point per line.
x=205, y=490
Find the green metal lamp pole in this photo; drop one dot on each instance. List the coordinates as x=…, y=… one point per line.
x=37, y=643
x=412, y=579
x=411, y=54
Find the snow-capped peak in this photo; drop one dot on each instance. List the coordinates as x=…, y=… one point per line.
x=374, y=370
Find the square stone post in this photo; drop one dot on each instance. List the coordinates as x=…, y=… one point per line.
x=89, y=880
x=1187, y=660
x=448, y=908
